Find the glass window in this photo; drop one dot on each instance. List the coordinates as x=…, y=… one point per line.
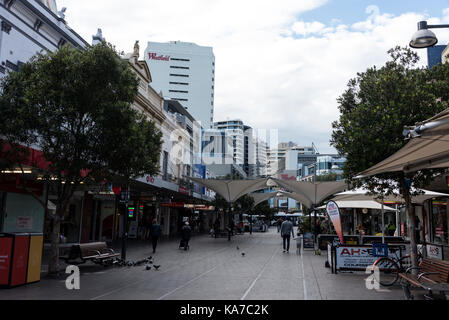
x=439, y=217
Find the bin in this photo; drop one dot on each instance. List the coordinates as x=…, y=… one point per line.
x=14, y=250
x=35, y=257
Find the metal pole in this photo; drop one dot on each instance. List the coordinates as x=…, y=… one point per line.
x=125, y=224
x=383, y=221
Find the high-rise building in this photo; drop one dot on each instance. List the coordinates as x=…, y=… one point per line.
x=184, y=72
x=434, y=55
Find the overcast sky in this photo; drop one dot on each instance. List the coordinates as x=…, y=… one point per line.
x=279, y=64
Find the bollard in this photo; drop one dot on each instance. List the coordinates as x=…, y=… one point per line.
x=298, y=244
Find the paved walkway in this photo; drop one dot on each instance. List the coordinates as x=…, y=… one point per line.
x=213, y=269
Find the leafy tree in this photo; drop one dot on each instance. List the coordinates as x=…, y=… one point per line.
x=374, y=109
x=75, y=106
x=327, y=177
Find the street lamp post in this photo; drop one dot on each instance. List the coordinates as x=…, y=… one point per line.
x=424, y=38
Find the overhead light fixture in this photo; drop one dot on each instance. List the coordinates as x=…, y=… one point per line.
x=424, y=38
x=28, y=171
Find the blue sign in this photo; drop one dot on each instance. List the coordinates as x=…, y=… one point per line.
x=380, y=250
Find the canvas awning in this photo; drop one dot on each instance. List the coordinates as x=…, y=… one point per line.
x=314, y=192
x=361, y=194
x=362, y=204
x=428, y=148
x=260, y=197
x=231, y=190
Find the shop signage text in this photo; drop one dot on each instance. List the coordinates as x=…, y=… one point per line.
x=154, y=56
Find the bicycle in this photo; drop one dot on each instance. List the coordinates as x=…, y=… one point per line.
x=390, y=267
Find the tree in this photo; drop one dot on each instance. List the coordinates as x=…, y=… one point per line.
x=75, y=106
x=374, y=109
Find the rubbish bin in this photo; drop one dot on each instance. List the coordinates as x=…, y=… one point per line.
x=13, y=258
x=35, y=257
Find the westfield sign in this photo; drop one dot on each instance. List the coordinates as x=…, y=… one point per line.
x=154, y=56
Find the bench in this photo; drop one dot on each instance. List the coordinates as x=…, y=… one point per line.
x=433, y=275
x=98, y=252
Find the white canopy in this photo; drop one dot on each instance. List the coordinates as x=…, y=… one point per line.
x=313, y=192
x=364, y=204
x=231, y=190
x=361, y=194
x=428, y=148
x=260, y=197
x=282, y=214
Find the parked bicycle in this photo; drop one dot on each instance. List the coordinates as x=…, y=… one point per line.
x=390, y=267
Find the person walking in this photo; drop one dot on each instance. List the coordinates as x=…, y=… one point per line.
x=155, y=232
x=286, y=230
x=186, y=233
x=279, y=222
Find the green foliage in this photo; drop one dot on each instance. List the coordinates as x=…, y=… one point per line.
x=327, y=177
x=376, y=106
x=263, y=208
x=75, y=106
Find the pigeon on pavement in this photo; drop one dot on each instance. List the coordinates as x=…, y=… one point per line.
x=156, y=267
x=243, y=254
x=147, y=267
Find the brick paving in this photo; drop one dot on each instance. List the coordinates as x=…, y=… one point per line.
x=213, y=269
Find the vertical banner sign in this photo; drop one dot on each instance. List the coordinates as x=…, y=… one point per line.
x=334, y=215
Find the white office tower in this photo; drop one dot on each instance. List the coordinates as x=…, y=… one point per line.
x=184, y=72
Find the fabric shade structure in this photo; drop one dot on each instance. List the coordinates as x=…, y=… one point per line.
x=231, y=190
x=362, y=204
x=428, y=148
x=260, y=197
x=361, y=194
x=282, y=214
x=313, y=192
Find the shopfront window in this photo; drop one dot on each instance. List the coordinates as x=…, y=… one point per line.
x=439, y=220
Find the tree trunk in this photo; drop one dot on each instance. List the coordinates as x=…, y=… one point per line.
x=53, y=267
x=411, y=230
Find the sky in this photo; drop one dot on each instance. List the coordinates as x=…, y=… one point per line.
x=278, y=64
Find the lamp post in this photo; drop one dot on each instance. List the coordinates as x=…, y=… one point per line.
x=424, y=38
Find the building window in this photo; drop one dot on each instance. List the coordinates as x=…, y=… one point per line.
x=180, y=91
x=179, y=67
x=180, y=83
x=179, y=75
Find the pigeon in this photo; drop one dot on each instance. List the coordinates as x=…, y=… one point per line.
x=238, y=248
x=243, y=254
x=130, y=263
x=150, y=257
x=147, y=267
x=156, y=267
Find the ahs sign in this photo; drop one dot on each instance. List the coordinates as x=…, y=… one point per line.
x=154, y=56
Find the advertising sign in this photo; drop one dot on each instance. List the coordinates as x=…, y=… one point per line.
x=434, y=251
x=360, y=257
x=334, y=214
x=24, y=223
x=308, y=240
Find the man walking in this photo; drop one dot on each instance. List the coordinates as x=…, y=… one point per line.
x=155, y=232
x=186, y=233
x=286, y=230
x=279, y=222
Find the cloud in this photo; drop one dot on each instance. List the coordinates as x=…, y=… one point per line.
x=273, y=70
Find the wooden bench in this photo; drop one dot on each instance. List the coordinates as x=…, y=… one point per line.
x=98, y=252
x=432, y=275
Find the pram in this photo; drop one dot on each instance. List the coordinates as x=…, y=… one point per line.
x=181, y=245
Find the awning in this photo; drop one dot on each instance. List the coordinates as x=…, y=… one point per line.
x=260, y=197
x=231, y=190
x=428, y=148
x=282, y=214
x=361, y=194
x=363, y=204
x=314, y=192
